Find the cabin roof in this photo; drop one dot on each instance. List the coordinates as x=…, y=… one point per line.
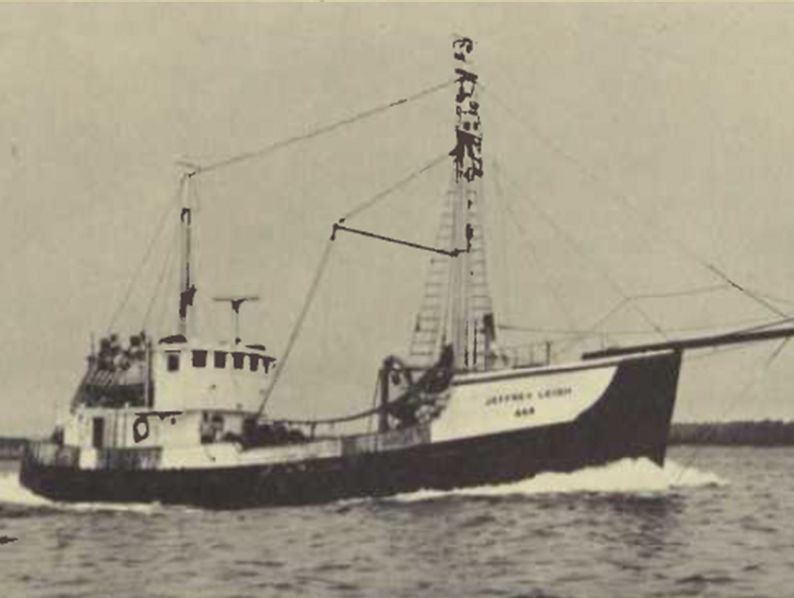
x=179, y=343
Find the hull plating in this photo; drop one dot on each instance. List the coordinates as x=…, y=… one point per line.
x=630, y=419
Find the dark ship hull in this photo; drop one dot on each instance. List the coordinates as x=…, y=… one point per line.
x=631, y=419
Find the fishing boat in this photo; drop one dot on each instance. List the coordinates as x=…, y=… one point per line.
x=183, y=421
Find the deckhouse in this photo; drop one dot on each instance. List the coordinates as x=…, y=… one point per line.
x=177, y=392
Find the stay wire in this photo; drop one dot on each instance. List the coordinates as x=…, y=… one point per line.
x=645, y=296
x=746, y=291
x=764, y=326
x=533, y=250
x=684, y=293
x=595, y=326
x=584, y=255
x=321, y=130
x=395, y=187
x=773, y=297
x=496, y=219
x=624, y=201
x=323, y=262
x=627, y=299
x=172, y=266
x=147, y=254
x=296, y=329
x=693, y=360
x=626, y=332
x=740, y=395
x=164, y=270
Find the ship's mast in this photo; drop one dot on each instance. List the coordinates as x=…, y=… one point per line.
x=456, y=306
x=187, y=289
x=468, y=169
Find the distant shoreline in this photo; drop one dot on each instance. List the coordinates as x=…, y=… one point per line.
x=766, y=433
x=11, y=447
x=739, y=433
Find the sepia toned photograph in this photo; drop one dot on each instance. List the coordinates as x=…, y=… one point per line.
x=396, y=300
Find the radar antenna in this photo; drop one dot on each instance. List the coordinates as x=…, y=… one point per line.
x=235, y=303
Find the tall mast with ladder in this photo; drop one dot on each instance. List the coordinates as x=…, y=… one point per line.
x=456, y=307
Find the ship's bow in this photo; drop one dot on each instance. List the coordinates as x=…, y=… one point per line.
x=633, y=417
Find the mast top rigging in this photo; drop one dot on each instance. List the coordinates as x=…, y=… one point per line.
x=187, y=288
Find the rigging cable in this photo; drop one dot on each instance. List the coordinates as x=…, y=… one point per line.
x=298, y=326
x=398, y=185
x=147, y=253
x=321, y=268
x=495, y=220
x=533, y=250
x=338, y=226
x=630, y=332
x=773, y=297
x=755, y=328
x=740, y=395
x=765, y=325
x=685, y=293
x=316, y=132
x=582, y=253
x=173, y=264
x=695, y=359
x=623, y=200
x=164, y=271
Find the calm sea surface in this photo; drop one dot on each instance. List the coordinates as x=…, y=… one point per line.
x=723, y=527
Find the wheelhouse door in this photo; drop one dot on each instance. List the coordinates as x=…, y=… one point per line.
x=98, y=432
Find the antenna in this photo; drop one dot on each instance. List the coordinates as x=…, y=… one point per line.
x=235, y=303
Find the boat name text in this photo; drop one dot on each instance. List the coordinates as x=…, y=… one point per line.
x=546, y=393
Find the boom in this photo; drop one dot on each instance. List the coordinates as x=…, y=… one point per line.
x=701, y=342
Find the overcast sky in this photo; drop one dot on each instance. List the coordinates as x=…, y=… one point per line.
x=657, y=138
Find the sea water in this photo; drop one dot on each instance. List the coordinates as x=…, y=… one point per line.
x=712, y=522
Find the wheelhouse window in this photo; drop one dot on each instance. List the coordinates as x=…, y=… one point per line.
x=199, y=359
x=238, y=359
x=254, y=363
x=172, y=362
x=220, y=359
x=266, y=362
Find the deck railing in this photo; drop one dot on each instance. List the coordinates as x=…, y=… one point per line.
x=45, y=452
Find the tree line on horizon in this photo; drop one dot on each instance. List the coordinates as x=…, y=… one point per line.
x=739, y=433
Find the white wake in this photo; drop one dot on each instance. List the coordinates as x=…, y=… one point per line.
x=636, y=476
